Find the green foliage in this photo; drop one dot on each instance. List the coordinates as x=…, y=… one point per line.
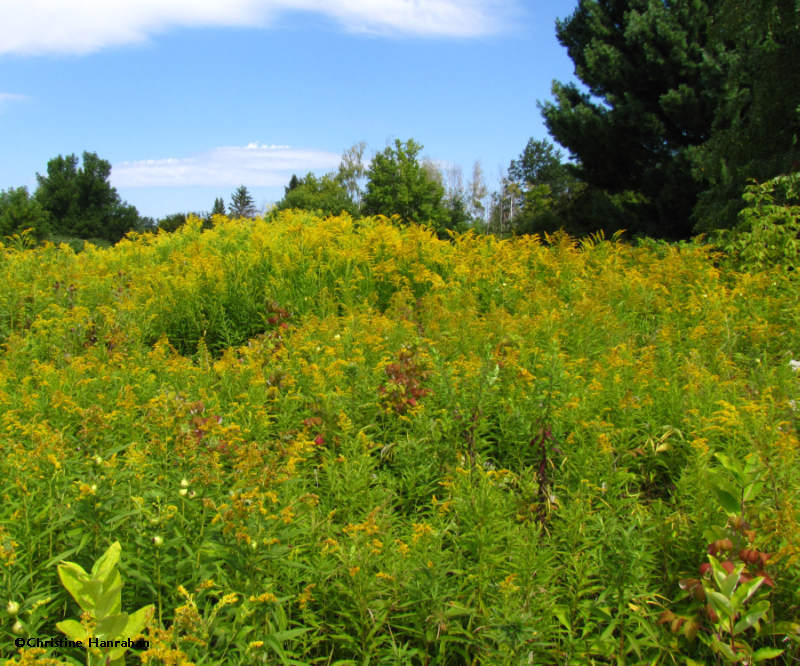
x=756, y=125
x=541, y=189
x=99, y=595
x=19, y=211
x=242, y=205
x=328, y=440
x=218, y=207
x=172, y=222
x=81, y=202
x=540, y=163
x=327, y=195
x=654, y=83
x=728, y=599
x=768, y=233
x=399, y=185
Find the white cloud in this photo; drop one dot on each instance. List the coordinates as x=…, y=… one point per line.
x=253, y=165
x=83, y=26
x=8, y=98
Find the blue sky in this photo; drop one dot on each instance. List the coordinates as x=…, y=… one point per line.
x=190, y=98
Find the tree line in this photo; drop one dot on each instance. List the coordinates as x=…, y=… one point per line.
x=76, y=200
x=682, y=103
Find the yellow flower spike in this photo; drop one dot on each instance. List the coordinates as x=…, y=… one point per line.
x=228, y=600
x=305, y=596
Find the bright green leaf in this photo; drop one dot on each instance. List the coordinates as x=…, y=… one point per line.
x=727, y=500
x=111, y=627
x=107, y=562
x=74, y=630
x=762, y=654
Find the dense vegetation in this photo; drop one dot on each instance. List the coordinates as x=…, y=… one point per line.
x=331, y=435
x=327, y=441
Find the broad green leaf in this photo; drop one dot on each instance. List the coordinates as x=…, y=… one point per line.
x=111, y=627
x=74, y=630
x=107, y=562
x=137, y=620
x=719, y=603
x=110, y=601
x=93, y=589
x=781, y=628
x=752, y=490
x=762, y=654
x=752, y=616
x=746, y=590
x=732, y=466
x=724, y=648
x=727, y=500
x=117, y=655
x=75, y=579
x=731, y=580
x=561, y=615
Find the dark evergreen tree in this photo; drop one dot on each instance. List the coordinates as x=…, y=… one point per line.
x=756, y=127
x=294, y=182
x=219, y=207
x=242, y=204
x=655, y=76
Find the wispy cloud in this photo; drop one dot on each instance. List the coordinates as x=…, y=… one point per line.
x=84, y=26
x=8, y=98
x=254, y=165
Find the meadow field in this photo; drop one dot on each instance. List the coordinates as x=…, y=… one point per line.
x=320, y=441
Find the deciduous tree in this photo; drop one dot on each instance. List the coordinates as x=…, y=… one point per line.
x=399, y=185
x=326, y=195
x=80, y=200
x=19, y=211
x=352, y=172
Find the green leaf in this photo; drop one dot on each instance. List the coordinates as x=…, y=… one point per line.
x=107, y=562
x=730, y=582
x=753, y=615
x=289, y=634
x=752, y=490
x=137, y=620
x=111, y=627
x=720, y=604
x=117, y=656
x=727, y=500
x=93, y=589
x=725, y=649
x=731, y=465
x=746, y=590
x=74, y=630
x=561, y=614
x=75, y=579
x=762, y=654
x=781, y=628
x=110, y=601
